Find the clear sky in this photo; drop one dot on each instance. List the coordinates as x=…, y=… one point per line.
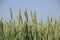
x=43, y=8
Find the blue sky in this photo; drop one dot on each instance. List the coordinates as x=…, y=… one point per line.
x=43, y=8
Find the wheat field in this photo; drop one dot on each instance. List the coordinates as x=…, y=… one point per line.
x=26, y=30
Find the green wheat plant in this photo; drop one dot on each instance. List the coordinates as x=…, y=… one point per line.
x=29, y=30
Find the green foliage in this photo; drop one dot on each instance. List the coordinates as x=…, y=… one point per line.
x=26, y=30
